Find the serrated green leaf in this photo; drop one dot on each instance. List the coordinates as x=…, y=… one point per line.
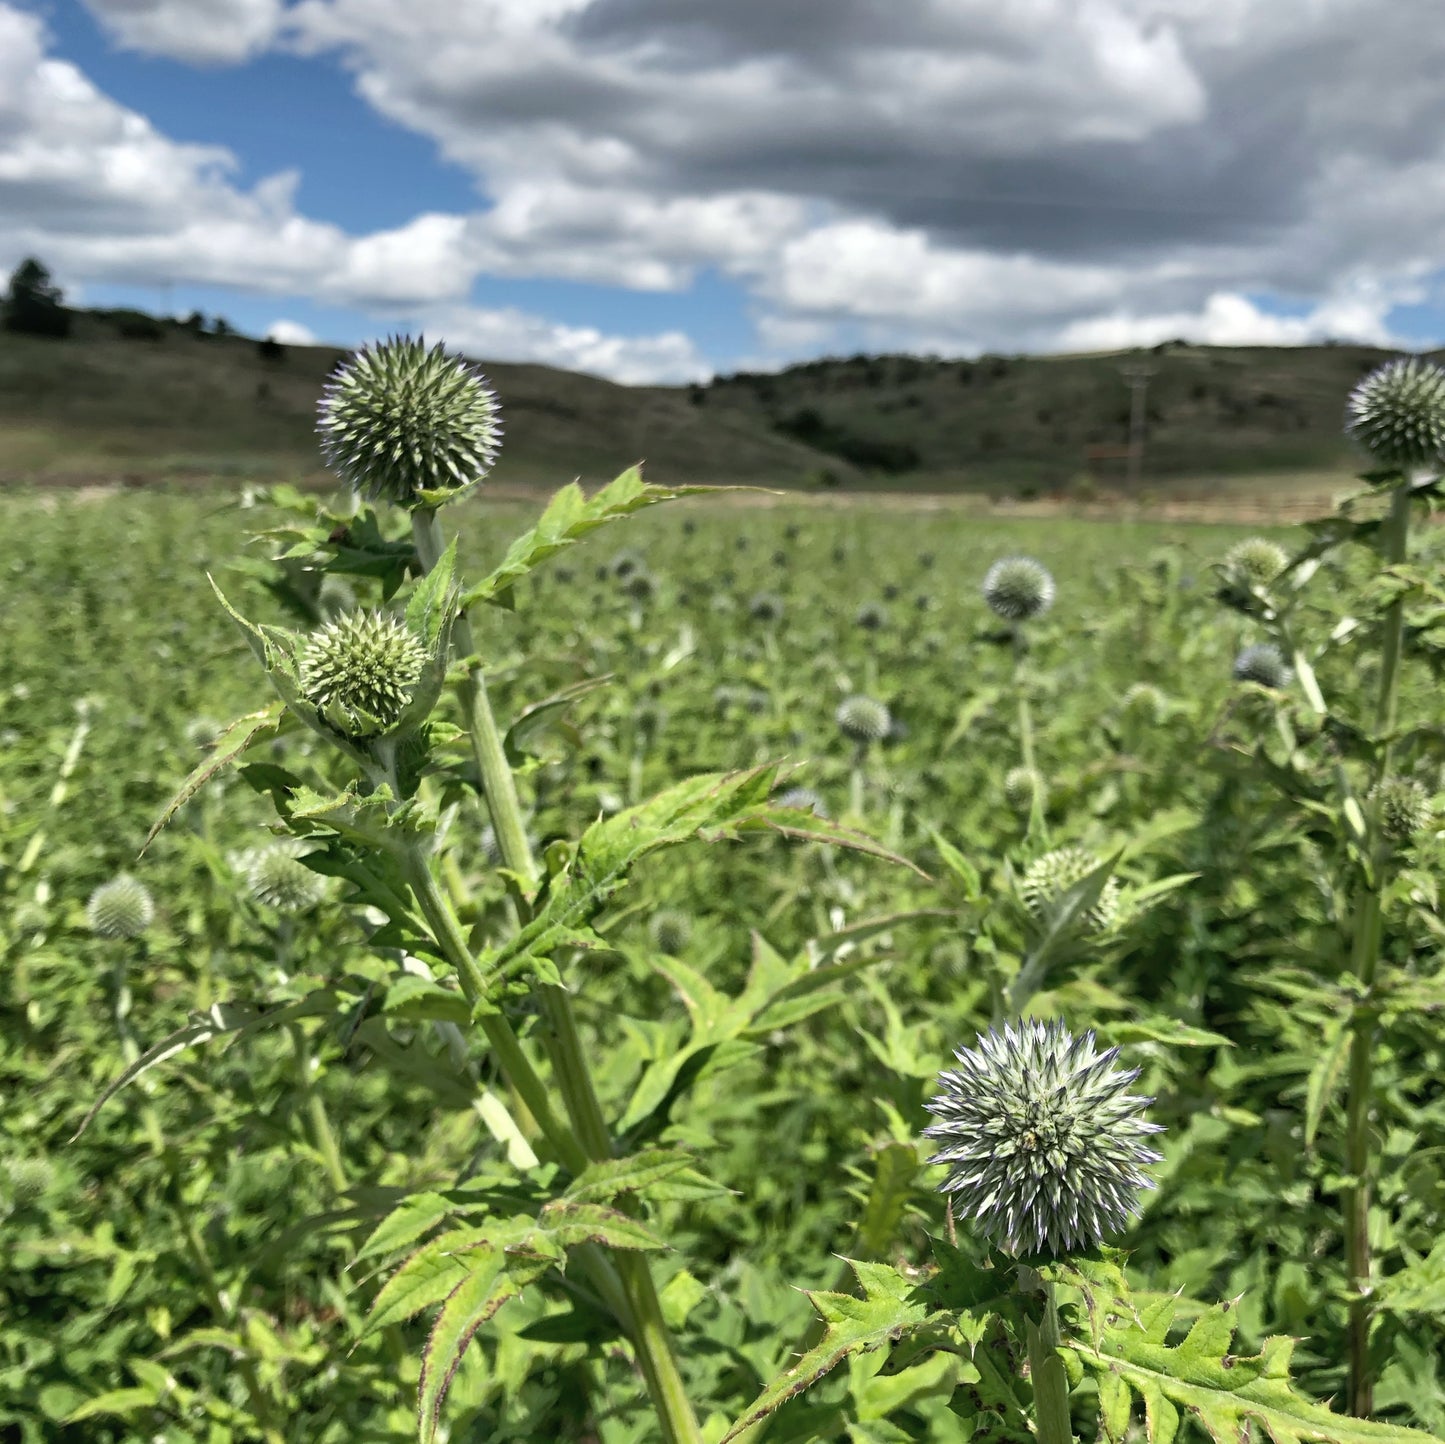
x=602, y=1182
x=428, y=1276
x=568, y=1224
x=405, y=1224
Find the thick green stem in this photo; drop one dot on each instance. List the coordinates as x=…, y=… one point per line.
x=1364, y=960
x=1046, y=1369
x=644, y=1311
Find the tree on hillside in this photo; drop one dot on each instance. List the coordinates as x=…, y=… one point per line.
x=33, y=302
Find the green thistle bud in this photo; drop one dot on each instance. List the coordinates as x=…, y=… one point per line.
x=360, y=671
x=335, y=596
x=1255, y=562
x=670, y=931
x=1144, y=697
x=403, y=424
x=121, y=908
x=1018, y=589
x=1263, y=663
x=1021, y=785
x=1397, y=413
x=277, y=877
x=1044, y=1147
x=1048, y=878
x=861, y=719
x=28, y=1180
x=1404, y=807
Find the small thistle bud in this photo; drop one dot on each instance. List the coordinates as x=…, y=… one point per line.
x=1044, y=1147
x=1255, y=562
x=28, y=1180
x=861, y=719
x=335, y=596
x=1264, y=664
x=120, y=908
x=1048, y=878
x=408, y=425
x=360, y=672
x=766, y=607
x=803, y=799
x=1021, y=785
x=670, y=931
x=276, y=876
x=1404, y=808
x=1144, y=697
x=1018, y=589
x=1397, y=413
x=871, y=617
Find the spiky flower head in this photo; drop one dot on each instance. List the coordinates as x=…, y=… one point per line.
x=120, y=908
x=1254, y=562
x=1404, y=807
x=405, y=424
x=1047, y=880
x=1397, y=413
x=276, y=876
x=766, y=607
x=803, y=799
x=360, y=671
x=862, y=719
x=1018, y=589
x=1043, y=1145
x=670, y=931
x=871, y=617
x=1263, y=663
x=28, y=1180
x=334, y=596
x=1144, y=697
x=1021, y=785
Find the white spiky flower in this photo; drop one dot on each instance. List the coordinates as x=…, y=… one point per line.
x=361, y=670
x=1263, y=663
x=1397, y=413
x=1042, y=1142
x=405, y=424
x=120, y=908
x=863, y=719
x=1018, y=589
x=277, y=877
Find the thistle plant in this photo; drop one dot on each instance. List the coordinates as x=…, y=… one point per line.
x=1263, y=664
x=864, y=721
x=361, y=672
x=1047, y=882
x=120, y=908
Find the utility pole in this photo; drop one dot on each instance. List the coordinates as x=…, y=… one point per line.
x=1136, y=375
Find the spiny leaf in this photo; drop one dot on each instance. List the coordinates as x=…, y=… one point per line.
x=604, y=1181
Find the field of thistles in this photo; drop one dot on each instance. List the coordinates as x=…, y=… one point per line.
x=613, y=971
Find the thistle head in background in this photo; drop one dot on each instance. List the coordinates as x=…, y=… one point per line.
x=1018, y=589
x=766, y=607
x=1263, y=663
x=803, y=799
x=670, y=931
x=1248, y=567
x=335, y=596
x=361, y=672
x=276, y=876
x=1021, y=785
x=408, y=425
x=1404, y=808
x=1046, y=883
x=863, y=720
x=1043, y=1145
x=871, y=617
x=120, y=908
x=1397, y=413
x=1144, y=697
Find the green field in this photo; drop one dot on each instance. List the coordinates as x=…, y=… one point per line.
x=187, y=1270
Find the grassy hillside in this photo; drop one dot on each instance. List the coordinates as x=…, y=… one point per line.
x=123, y=398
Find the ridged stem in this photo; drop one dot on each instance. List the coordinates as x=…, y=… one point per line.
x=1364, y=961
x=1052, y=1424
x=569, y=1061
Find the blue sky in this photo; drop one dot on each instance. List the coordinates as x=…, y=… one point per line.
x=655, y=190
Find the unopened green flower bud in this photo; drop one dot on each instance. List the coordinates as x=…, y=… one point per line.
x=28, y=1180
x=1144, y=697
x=671, y=931
x=1018, y=589
x=862, y=719
x=361, y=670
x=277, y=877
x=1404, y=808
x=1263, y=663
x=120, y=908
x=1397, y=413
x=408, y=425
x=1047, y=879
x=1043, y=1145
x=1256, y=561
x=1021, y=785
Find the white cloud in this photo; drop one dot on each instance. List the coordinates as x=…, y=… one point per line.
x=291, y=333
x=201, y=31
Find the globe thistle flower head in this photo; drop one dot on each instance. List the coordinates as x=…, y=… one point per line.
x=120, y=908
x=1263, y=663
x=639, y=586
x=361, y=671
x=1048, y=879
x=1018, y=589
x=1404, y=808
x=335, y=596
x=670, y=931
x=1021, y=785
x=405, y=424
x=1144, y=697
x=28, y=1180
x=276, y=876
x=1255, y=562
x=1397, y=413
x=1043, y=1145
x=803, y=799
x=871, y=617
x=862, y=719
x=766, y=607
